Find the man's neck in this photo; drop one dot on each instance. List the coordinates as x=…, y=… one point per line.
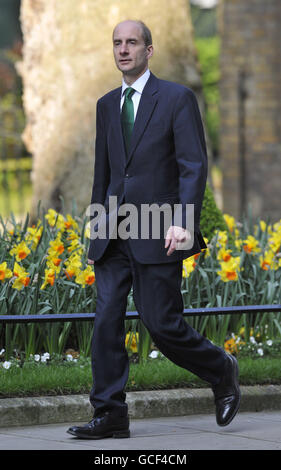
x=130, y=79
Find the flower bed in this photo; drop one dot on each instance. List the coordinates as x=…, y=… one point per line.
x=43, y=269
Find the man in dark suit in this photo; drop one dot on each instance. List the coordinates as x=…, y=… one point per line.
x=150, y=149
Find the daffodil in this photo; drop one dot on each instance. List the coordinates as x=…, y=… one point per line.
x=5, y=273
x=224, y=254
x=34, y=234
x=229, y=269
x=22, y=278
x=54, y=264
x=50, y=275
x=72, y=235
x=20, y=251
x=230, y=221
x=56, y=247
x=266, y=261
x=230, y=346
x=222, y=238
x=73, y=265
x=250, y=245
x=75, y=245
x=188, y=265
x=87, y=276
x=131, y=341
x=274, y=241
x=55, y=219
x=71, y=223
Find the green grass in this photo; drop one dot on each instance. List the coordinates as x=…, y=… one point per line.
x=155, y=374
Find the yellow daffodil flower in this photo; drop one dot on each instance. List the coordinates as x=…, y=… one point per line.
x=87, y=276
x=229, y=269
x=50, y=275
x=34, y=234
x=20, y=251
x=230, y=346
x=189, y=265
x=56, y=247
x=230, y=221
x=274, y=241
x=266, y=261
x=131, y=341
x=73, y=265
x=5, y=273
x=70, y=223
x=222, y=238
x=55, y=219
x=223, y=254
x=250, y=245
x=75, y=245
x=22, y=278
x=72, y=235
x=54, y=264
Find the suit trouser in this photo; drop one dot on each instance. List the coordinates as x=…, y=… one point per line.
x=158, y=299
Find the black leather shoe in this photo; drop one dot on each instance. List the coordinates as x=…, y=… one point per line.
x=227, y=394
x=103, y=426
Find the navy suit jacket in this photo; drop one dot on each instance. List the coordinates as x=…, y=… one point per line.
x=166, y=163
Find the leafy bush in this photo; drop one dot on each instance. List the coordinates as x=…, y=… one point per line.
x=212, y=218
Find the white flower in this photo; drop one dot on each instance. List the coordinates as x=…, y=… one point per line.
x=37, y=357
x=45, y=357
x=6, y=365
x=252, y=340
x=269, y=342
x=2, y=352
x=69, y=357
x=260, y=351
x=153, y=354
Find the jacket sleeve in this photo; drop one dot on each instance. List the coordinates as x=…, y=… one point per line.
x=101, y=166
x=191, y=155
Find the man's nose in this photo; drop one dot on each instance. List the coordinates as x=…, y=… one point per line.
x=124, y=48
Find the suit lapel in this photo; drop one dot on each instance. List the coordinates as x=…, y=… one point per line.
x=116, y=124
x=145, y=109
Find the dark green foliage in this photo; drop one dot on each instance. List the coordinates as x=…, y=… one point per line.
x=211, y=216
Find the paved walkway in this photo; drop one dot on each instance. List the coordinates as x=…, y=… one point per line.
x=248, y=431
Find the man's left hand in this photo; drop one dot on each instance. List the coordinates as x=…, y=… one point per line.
x=175, y=235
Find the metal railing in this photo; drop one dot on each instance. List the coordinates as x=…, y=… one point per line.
x=131, y=315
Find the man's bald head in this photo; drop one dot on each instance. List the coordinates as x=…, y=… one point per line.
x=145, y=31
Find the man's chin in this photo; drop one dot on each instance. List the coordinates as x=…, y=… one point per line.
x=126, y=68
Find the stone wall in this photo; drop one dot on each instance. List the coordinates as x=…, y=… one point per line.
x=68, y=64
x=250, y=134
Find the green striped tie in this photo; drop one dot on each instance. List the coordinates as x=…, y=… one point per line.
x=127, y=117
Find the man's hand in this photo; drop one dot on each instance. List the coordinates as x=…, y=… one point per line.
x=175, y=235
x=90, y=261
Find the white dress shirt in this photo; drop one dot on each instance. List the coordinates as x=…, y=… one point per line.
x=138, y=85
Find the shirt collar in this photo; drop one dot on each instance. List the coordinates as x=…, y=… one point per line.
x=139, y=84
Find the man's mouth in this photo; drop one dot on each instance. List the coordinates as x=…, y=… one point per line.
x=124, y=61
